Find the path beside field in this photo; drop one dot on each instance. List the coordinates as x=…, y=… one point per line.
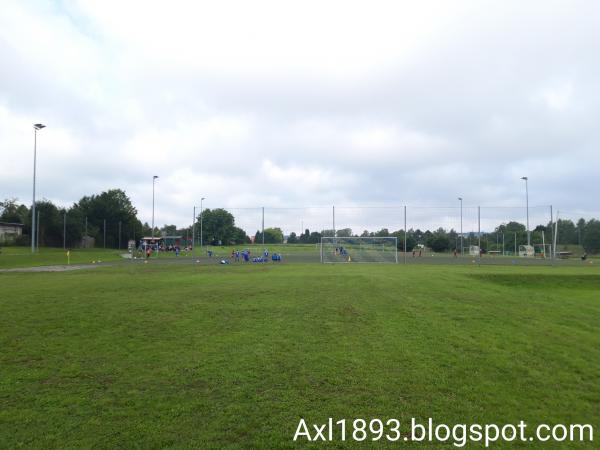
x=63, y=268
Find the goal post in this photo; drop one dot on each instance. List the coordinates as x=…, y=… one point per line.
x=359, y=250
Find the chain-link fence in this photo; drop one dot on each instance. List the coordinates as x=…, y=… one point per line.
x=459, y=233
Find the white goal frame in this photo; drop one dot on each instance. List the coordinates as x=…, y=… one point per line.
x=474, y=250
x=542, y=251
x=526, y=251
x=341, y=240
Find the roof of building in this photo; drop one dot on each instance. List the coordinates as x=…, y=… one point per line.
x=11, y=224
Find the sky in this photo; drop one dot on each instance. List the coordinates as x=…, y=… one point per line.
x=292, y=105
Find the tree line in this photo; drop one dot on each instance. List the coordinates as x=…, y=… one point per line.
x=111, y=220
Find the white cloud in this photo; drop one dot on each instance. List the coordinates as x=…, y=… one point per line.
x=289, y=104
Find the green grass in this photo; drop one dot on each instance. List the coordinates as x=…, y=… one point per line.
x=11, y=257
x=153, y=356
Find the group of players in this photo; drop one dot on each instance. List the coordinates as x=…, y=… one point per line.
x=245, y=256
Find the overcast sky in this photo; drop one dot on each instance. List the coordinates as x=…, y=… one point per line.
x=293, y=104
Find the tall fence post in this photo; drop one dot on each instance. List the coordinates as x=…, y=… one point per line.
x=405, y=233
x=479, y=232
x=37, y=232
x=104, y=239
x=552, y=249
x=65, y=230
x=194, y=233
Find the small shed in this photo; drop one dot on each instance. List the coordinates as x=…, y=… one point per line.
x=9, y=232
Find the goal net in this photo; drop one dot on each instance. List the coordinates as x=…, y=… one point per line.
x=474, y=250
x=526, y=251
x=359, y=250
x=542, y=250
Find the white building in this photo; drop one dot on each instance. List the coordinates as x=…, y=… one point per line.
x=9, y=232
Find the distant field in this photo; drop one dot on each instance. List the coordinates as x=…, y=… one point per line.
x=15, y=257
x=224, y=356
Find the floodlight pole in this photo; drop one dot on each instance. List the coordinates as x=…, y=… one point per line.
x=462, y=247
x=263, y=226
x=104, y=239
x=119, y=235
x=526, y=179
x=36, y=127
x=153, y=180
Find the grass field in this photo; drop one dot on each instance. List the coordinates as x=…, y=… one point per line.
x=208, y=356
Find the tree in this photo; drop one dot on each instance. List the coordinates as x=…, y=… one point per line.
x=591, y=237
x=292, y=238
x=438, y=241
x=511, y=227
x=344, y=232
x=314, y=238
x=50, y=225
x=112, y=206
x=217, y=226
x=410, y=240
x=580, y=230
x=13, y=212
x=169, y=230
x=567, y=234
x=272, y=236
x=305, y=237
x=239, y=236
x=384, y=232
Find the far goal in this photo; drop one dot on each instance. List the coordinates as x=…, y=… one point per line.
x=526, y=251
x=359, y=250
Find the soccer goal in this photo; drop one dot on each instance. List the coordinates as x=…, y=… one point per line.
x=526, y=251
x=359, y=250
x=542, y=251
x=474, y=250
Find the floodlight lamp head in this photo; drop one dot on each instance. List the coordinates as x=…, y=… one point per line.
x=155, y=177
x=39, y=126
x=460, y=198
x=524, y=178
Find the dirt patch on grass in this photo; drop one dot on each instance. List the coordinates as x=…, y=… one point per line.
x=64, y=268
